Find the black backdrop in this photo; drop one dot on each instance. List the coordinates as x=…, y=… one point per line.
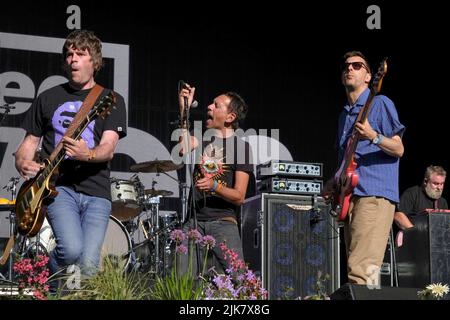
x=282, y=57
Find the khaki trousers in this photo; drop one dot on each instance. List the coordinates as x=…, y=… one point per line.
x=366, y=235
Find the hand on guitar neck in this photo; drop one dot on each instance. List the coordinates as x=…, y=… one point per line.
x=365, y=130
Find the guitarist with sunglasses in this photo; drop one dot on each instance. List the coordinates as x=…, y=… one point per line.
x=79, y=213
x=371, y=167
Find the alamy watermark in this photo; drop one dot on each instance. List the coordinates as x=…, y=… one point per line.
x=263, y=143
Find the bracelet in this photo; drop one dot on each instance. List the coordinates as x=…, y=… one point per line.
x=91, y=155
x=213, y=189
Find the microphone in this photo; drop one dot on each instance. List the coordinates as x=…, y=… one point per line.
x=184, y=85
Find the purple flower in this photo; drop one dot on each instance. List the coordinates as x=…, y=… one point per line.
x=209, y=241
x=194, y=235
x=240, y=278
x=250, y=275
x=177, y=235
x=182, y=249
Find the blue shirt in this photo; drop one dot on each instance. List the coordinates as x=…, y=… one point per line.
x=377, y=171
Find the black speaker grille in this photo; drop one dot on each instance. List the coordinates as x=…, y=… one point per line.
x=301, y=240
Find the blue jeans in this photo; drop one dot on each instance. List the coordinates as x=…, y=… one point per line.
x=79, y=224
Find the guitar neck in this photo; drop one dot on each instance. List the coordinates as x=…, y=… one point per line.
x=353, y=144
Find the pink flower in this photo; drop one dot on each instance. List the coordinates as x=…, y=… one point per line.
x=33, y=274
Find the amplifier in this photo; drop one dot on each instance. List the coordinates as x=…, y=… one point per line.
x=289, y=169
x=288, y=240
x=290, y=186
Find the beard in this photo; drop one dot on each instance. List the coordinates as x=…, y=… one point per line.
x=433, y=194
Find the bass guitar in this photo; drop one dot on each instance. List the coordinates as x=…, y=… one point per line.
x=346, y=177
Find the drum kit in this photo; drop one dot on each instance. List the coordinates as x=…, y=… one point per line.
x=137, y=231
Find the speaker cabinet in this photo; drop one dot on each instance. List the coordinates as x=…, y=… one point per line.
x=362, y=292
x=424, y=257
x=288, y=240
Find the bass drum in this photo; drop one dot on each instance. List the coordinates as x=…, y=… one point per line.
x=116, y=246
x=117, y=243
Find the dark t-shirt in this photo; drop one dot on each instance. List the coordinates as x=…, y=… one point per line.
x=414, y=200
x=49, y=117
x=220, y=159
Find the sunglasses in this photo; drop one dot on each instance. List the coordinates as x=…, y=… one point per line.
x=355, y=65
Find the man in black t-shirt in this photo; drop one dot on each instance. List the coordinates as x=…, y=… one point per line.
x=221, y=173
x=79, y=214
x=418, y=198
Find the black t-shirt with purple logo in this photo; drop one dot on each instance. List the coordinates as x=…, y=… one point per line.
x=219, y=159
x=49, y=117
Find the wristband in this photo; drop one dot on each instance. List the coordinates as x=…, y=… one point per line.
x=91, y=155
x=213, y=189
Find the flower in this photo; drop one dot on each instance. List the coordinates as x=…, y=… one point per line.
x=239, y=282
x=435, y=291
x=33, y=274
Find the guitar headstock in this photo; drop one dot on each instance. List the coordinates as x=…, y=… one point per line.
x=104, y=106
x=378, y=78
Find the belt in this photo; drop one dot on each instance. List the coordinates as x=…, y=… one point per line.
x=230, y=219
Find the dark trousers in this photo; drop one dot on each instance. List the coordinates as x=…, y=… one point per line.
x=222, y=231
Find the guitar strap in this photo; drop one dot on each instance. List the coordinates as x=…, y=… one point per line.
x=81, y=114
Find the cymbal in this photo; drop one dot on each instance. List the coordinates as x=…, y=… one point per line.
x=155, y=166
x=155, y=193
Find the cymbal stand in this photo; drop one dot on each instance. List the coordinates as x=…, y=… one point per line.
x=154, y=201
x=12, y=186
x=183, y=188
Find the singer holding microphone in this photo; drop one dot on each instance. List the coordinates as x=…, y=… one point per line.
x=221, y=173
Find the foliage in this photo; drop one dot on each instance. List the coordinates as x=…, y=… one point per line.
x=112, y=283
x=186, y=286
x=238, y=283
x=32, y=274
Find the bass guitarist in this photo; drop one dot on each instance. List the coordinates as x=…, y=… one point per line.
x=79, y=214
x=376, y=158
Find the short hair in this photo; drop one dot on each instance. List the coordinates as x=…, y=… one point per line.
x=85, y=40
x=438, y=170
x=357, y=54
x=238, y=106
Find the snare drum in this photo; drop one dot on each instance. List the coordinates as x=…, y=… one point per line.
x=125, y=199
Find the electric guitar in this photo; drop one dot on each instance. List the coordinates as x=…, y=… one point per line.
x=30, y=203
x=346, y=177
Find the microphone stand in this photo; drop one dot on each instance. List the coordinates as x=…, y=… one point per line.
x=191, y=171
x=7, y=108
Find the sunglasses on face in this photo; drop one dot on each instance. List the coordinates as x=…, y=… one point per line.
x=355, y=65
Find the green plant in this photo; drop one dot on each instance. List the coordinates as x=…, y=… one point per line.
x=112, y=283
x=238, y=282
x=186, y=286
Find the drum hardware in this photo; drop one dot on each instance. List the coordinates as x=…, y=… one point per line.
x=156, y=166
x=11, y=187
x=154, y=193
